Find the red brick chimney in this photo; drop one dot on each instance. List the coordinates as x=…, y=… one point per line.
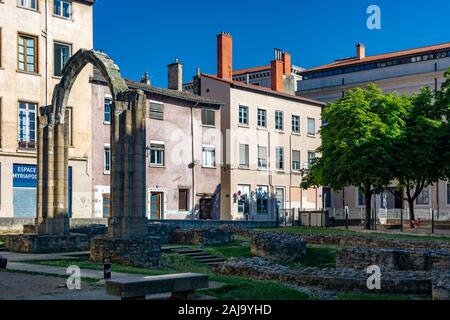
x=360, y=51
x=277, y=73
x=225, y=56
x=287, y=63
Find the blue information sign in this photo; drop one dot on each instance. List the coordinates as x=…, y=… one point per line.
x=24, y=176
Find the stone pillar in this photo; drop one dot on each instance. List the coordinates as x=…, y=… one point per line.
x=52, y=214
x=128, y=189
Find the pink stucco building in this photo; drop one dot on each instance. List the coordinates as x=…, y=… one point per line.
x=183, y=150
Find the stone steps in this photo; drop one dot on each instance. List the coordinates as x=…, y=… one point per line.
x=197, y=255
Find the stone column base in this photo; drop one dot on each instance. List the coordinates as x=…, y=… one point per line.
x=142, y=253
x=42, y=243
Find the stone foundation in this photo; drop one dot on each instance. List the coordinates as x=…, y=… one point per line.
x=37, y=243
x=279, y=246
x=142, y=253
x=211, y=237
x=394, y=259
x=441, y=288
x=342, y=280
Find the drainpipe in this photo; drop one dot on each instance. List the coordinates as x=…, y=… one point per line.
x=193, y=160
x=46, y=52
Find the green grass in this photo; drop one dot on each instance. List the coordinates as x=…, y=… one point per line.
x=371, y=296
x=238, y=289
x=342, y=232
x=236, y=250
x=320, y=257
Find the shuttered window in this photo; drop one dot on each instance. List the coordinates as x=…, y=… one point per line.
x=296, y=160
x=208, y=117
x=243, y=156
x=156, y=111
x=183, y=200
x=262, y=157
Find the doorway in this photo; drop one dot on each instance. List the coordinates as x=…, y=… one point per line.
x=156, y=205
x=206, y=209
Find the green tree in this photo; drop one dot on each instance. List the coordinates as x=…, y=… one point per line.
x=443, y=103
x=417, y=152
x=356, y=139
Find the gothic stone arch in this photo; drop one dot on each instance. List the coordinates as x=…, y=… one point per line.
x=127, y=218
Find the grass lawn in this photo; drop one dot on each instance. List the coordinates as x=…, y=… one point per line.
x=343, y=232
x=235, y=288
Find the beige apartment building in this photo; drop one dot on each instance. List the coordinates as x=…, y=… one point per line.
x=184, y=148
x=37, y=37
x=404, y=72
x=270, y=135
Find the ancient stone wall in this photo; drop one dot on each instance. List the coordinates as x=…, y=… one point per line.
x=343, y=280
x=34, y=243
x=144, y=253
x=279, y=246
x=394, y=259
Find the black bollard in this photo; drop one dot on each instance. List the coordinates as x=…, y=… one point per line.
x=3, y=262
x=107, y=268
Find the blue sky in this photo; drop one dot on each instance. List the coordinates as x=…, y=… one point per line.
x=147, y=35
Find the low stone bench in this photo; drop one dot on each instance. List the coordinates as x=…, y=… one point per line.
x=181, y=286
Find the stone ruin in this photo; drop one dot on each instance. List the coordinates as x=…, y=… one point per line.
x=127, y=241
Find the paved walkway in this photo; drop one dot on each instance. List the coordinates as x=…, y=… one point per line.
x=49, y=282
x=16, y=257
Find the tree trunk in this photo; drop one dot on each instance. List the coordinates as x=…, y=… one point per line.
x=412, y=216
x=368, y=195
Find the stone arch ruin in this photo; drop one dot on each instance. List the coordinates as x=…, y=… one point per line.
x=127, y=240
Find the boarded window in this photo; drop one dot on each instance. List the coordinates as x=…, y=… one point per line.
x=156, y=111
x=183, y=199
x=208, y=117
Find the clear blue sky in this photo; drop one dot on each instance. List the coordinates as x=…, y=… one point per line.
x=147, y=35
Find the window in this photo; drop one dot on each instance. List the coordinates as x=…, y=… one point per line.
x=361, y=198
x=243, y=156
x=183, y=199
x=262, y=157
x=106, y=159
x=262, y=197
x=296, y=124
x=157, y=154
x=156, y=110
x=27, y=53
x=209, y=156
x=262, y=118
x=243, y=197
x=69, y=122
x=27, y=125
x=311, y=126
x=279, y=120
x=62, y=8
x=448, y=193
x=62, y=53
x=295, y=160
x=208, y=118
x=311, y=157
x=279, y=154
x=30, y=4
x=107, y=111
x=243, y=115
x=424, y=197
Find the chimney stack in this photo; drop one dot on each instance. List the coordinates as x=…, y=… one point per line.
x=225, y=56
x=360, y=51
x=175, y=76
x=287, y=63
x=276, y=68
x=145, y=79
